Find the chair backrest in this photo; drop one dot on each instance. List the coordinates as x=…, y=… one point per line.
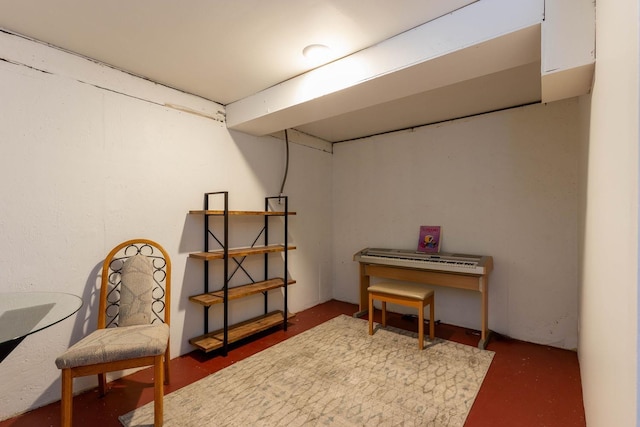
x=142, y=263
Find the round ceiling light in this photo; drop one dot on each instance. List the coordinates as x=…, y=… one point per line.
x=316, y=52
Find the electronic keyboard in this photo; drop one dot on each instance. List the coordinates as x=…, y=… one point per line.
x=446, y=262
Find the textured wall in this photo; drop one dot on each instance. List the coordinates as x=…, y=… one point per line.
x=609, y=296
x=502, y=184
x=92, y=156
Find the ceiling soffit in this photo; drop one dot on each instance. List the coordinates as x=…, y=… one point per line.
x=481, y=39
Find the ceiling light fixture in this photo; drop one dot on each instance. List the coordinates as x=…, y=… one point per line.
x=316, y=52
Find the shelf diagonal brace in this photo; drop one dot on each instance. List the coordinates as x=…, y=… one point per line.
x=239, y=263
x=240, y=267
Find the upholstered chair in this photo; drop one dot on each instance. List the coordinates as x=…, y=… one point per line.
x=133, y=323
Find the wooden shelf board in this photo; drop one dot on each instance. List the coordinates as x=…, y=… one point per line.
x=214, y=340
x=240, y=252
x=240, y=213
x=242, y=291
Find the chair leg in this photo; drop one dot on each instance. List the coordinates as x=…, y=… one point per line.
x=167, y=377
x=102, y=384
x=66, y=401
x=158, y=396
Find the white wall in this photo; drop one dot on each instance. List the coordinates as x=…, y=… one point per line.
x=501, y=184
x=608, y=348
x=90, y=157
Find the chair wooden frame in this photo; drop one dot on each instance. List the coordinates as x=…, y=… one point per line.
x=160, y=362
x=388, y=294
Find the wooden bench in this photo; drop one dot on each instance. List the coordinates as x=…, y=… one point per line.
x=410, y=295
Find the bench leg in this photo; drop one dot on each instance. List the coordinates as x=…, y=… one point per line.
x=421, y=327
x=370, y=314
x=432, y=319
x=384, y=313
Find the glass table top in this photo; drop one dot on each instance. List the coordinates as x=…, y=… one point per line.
x=24, y=313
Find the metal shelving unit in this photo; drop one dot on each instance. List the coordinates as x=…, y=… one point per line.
x=220, y=339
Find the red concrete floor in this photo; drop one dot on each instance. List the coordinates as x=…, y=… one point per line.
x=527, y=384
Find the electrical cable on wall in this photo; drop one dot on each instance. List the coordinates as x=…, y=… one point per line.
x=286, y=167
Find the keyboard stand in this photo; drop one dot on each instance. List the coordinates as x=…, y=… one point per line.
x=472, y=282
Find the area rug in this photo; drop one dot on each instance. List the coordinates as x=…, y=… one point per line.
x=334, y=375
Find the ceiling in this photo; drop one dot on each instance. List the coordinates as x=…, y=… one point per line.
x=229, y=51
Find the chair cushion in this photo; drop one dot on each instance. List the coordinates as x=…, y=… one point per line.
x=135, y=291
x=415, y=291
x=114, y=344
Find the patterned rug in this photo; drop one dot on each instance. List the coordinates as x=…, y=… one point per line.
x=334, y=374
